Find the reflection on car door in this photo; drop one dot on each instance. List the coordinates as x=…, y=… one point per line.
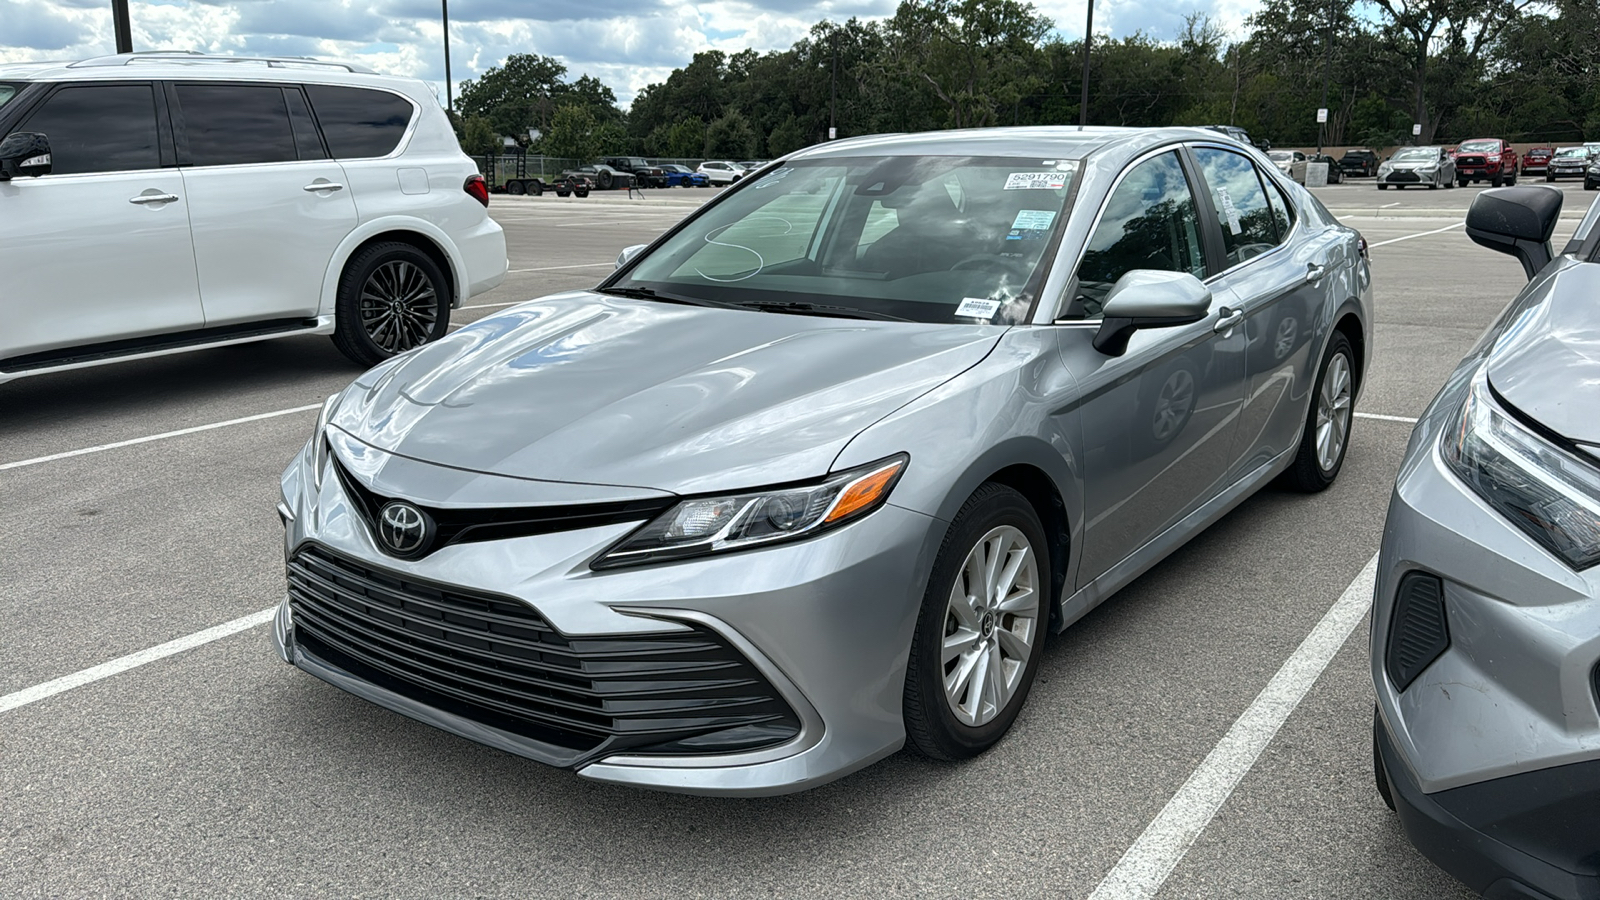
x=1278, y=283
x=268, y=206
x=1158, y=421
x=98, y=250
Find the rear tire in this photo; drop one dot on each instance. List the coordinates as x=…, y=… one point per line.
x=974, y=627
x=516, y=188
x=1329, y=415
x=538, y=189
x=392, y=298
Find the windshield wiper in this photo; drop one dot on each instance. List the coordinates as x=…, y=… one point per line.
x=644, y=293
x=819, y=309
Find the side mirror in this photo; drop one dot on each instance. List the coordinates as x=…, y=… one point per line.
x=628, y=253
x=1518, y=221
x=24, y=153
x=1146, y=298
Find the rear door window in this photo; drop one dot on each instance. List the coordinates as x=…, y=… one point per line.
x=99, y=128
x=232, y=124
x=359, y=123
x=1249, y=227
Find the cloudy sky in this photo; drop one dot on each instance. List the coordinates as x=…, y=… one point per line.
x=625, y=43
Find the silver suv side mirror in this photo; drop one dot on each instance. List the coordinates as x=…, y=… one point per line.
x=628, y=253
x=1147, y=298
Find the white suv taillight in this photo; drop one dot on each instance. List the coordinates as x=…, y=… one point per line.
x=478, y=188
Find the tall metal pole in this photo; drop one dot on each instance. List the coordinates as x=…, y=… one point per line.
x=1088, y=35
x=833, y=86
x=119, y=23
x=1327, y=66
x=444, y=8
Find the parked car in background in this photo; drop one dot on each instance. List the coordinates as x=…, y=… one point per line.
x=1486, y=159
x=601, y=177
x=1359, y=163
x=1591, y=173
x=191, y=201
x=1235, y=132
x=721, y=171
x=1568, y=162
x=644, y=174
x=683, y=176
x=1536, y=160
x=1335, y=174
x=770, y=503
x=1483, y=647
x=750, y=165
x=1411, y=166
x=1290, y=162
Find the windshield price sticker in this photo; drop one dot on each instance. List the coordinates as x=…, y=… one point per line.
x=1034, y=219
x=1036, y=181
x=978, y=308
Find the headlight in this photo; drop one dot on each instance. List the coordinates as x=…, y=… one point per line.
x=320, y=451
x=1545, y=490
x=736, y=521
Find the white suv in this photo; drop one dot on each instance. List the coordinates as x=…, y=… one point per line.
x=721, y=171
x=155, y=203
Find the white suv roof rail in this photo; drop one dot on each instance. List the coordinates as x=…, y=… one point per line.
x=189, y=57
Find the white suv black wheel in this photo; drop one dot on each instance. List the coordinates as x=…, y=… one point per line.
x=392, y=298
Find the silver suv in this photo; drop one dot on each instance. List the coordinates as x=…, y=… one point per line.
x=153, y=203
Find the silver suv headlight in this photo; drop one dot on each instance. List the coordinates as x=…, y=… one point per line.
x=736, y=521
x=1546, y=490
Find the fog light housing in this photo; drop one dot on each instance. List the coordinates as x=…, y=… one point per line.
x=1418, y=630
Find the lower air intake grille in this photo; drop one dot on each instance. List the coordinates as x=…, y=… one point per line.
x=494, y=660
x=1418, y=632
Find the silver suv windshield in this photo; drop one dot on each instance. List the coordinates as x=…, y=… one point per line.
x=920, y=238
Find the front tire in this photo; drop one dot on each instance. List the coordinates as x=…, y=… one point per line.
x=1382, y=186
x=981, y=632
x=1326, y=436
x=392, y=298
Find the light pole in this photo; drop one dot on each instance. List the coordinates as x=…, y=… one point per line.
x=444, y=9
x=119, y=23
x=1088, y=35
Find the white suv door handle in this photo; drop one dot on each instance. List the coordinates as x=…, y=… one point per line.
x=1229, y=319
x=322, y=186
x=153, y=198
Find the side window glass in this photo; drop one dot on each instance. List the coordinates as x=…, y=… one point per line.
x=1282, y=210
x=1149, y=222
x=359, y=123
x=1248, y=225
x=229, y=124
x=100, y=128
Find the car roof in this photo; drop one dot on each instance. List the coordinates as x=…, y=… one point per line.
x=173, y=64
x=1060, y=141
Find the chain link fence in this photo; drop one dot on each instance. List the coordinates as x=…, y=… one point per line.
x=497, y=167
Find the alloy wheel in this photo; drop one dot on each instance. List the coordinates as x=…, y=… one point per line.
x=991, y=625
x=1333, y=412
x=399, y=307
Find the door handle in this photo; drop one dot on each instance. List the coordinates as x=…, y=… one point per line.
x=143, y=199
x=322, y=186
x=1229, y=319
x=1314, y=272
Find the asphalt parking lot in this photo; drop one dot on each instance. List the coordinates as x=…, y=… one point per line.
x=138, y=510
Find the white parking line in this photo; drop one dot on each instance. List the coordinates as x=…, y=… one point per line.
x=1420, y=234
x=1387, y=205
x=156, y=437
x=1145, y=867
x=1383, y=418
x=132, y=661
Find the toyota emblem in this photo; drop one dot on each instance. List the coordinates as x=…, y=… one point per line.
x=404, y=529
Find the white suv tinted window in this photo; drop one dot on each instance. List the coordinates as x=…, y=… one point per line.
x=359, y=123
x=99, y=128
x=228, y=124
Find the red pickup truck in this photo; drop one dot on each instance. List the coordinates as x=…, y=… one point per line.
x=1486, y=159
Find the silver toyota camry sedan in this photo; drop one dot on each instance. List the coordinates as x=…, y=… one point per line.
x=1486, y=626
x=817, y=473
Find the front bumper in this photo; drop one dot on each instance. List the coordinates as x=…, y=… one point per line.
x=1496, y=743
x=827, y=622
x=1564, y=171
x=1406, y=176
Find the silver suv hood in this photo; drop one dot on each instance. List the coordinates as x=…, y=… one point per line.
x=586, y=388
x=1546, y=362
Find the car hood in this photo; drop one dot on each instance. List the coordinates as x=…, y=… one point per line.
x=588, y=388
x=1546, y=362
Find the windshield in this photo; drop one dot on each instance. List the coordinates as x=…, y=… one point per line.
x=922, y=238
x=1416, y=154
x=1479, y=147
x=1572, y=151
x=7, y=91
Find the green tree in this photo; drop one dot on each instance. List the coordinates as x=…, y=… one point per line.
x=730, y=137
x=572, y=134
x=478, y=137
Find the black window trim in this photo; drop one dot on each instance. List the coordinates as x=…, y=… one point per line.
x=1202, y=200
x=165, y=153
x=400, y=145
x=1283, y=241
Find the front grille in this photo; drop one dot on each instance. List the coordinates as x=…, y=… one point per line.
x=1403, y=175
x=458, y=526
x=1471, y=161
x=495, y=660
x=1419, y=632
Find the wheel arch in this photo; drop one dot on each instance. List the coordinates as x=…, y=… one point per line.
x=1042, y=494
x=427, y=238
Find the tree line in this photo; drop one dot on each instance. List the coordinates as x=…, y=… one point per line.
x=1518, y=69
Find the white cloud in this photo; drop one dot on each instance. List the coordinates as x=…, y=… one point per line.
x=625, y=43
